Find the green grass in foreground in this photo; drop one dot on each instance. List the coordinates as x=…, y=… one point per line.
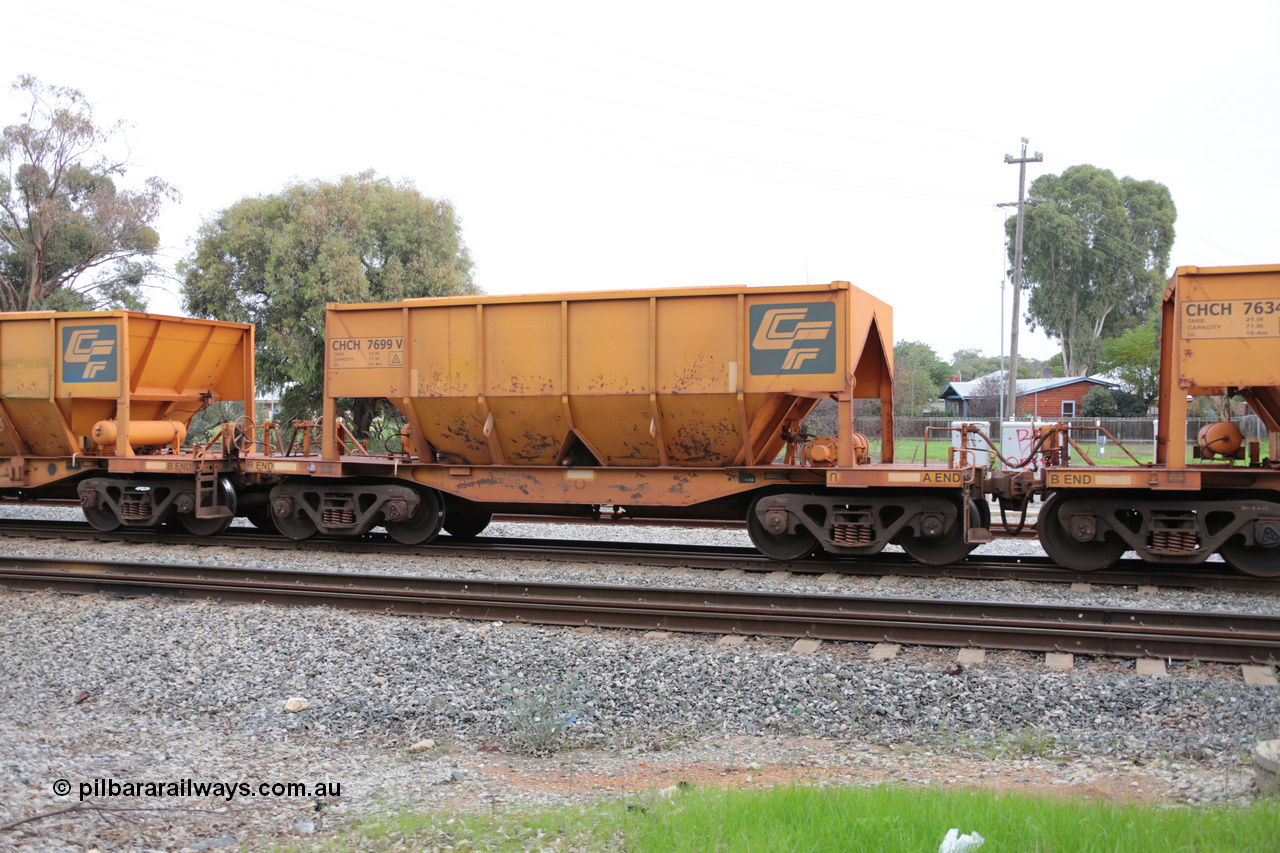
x=835, y=819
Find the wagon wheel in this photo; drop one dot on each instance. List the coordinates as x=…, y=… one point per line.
x=212, y=526
x=945, y=549
x=784, y=547
x=104, y=520
x=423, y=526
x=984, y=513
x=1257, y=560
x=464, y=519
x=1067, y=551
x=296, y=527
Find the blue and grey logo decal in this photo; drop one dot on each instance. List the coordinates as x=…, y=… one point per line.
x=90, y=353
x=795, y=338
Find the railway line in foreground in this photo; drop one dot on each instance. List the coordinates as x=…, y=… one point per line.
x=1032, y=568
x=1093, y=630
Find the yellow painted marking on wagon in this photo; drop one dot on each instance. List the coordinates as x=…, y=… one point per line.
x=1088, y=478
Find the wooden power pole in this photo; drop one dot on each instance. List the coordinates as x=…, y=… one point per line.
x=1011, y=388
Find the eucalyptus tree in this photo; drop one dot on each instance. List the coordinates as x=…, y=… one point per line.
x=919, y=376
x=70, y=238
x=276, y=260
x=1095, y=257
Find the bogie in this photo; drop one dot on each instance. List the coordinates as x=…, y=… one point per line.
x=929, y=525
x=1090, y=530
x=302, y=509
x=134, y=502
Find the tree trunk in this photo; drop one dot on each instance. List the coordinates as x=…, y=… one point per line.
x=362, y=412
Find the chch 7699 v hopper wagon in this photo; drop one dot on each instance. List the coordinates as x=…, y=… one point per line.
x=659, y=404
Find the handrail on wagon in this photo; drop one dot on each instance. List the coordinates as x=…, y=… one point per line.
x=348, y=444
x=1038, y=446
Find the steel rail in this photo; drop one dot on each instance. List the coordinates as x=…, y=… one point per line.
x=625, y=521
x=604, y=521
x=1130, y=572
x=1207, y=636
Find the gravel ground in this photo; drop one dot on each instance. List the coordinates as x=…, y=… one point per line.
x=438, y=713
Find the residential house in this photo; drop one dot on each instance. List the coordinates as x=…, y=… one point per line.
x=1049, y=399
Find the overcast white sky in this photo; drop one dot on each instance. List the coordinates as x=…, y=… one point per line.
x=593, y=145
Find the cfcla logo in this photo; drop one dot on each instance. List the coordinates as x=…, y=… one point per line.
x=88, y=354
x=797, y=357
x=773, y=335
x=792, y=338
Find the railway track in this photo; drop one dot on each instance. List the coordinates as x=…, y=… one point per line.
x=1131, y=572
x=1206, y=636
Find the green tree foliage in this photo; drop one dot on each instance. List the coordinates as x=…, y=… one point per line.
x=1102, y=402
x=69, y=238
x=919, y=376
x=276, y=260
x=1131, y=405
x=969, y=364
x=1054, y=365
x=1094, y=257
x=1034, y=368
x=1134, y=358
x=1099, y=402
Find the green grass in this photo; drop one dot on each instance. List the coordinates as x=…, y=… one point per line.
x=835, y=819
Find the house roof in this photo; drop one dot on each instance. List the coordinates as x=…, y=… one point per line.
x=964, y=390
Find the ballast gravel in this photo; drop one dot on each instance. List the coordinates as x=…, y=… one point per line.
x=420, y=713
